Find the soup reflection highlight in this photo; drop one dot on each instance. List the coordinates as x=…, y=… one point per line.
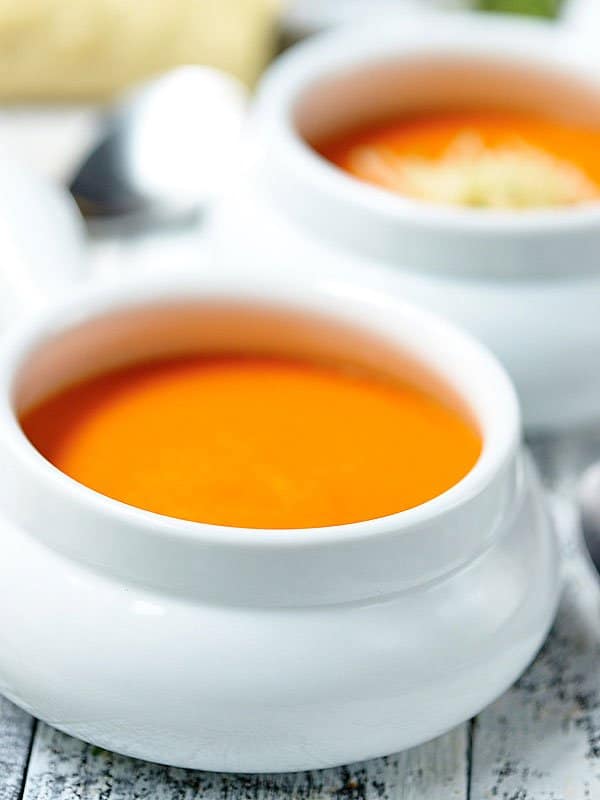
x=255, y=441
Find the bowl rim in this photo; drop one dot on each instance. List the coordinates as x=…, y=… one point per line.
x=500, y=442
x=389, y=39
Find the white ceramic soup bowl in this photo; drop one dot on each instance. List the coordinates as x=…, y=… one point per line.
x=527, y=283
x=261, y=650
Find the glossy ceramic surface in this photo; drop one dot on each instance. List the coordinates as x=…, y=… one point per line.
x=245, y=650
x=42, y=248
x=526, y=283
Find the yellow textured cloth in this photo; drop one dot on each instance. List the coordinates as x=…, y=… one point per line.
x=81, y=49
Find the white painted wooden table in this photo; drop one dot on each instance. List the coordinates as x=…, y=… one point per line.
x=540, y=741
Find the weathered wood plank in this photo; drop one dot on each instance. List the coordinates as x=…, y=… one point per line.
x=62, y=768
x=541, y=740
x=16, y=730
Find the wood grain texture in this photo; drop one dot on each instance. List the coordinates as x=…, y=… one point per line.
x=16, y=730
x=541, y=740
x=62, y=768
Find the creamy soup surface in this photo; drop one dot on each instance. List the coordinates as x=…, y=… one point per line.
x=254, y=441
x=475, y=158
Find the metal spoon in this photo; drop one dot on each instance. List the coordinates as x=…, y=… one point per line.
x=166, y=148
x=589, y=503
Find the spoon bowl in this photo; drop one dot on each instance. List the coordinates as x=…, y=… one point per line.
x=166, y=148
x=589, y=504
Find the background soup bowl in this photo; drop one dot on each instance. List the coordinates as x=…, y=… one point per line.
x=525, y=282
x=260, y=650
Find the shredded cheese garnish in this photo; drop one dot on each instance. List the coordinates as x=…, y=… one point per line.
x=471, y=173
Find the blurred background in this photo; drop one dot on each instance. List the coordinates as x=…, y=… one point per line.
x=61, y=60
x=87, y=49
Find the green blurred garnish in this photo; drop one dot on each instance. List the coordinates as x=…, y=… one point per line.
x=537, y=8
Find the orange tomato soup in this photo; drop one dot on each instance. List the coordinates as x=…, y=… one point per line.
x=257, y=442
x=471, y=157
